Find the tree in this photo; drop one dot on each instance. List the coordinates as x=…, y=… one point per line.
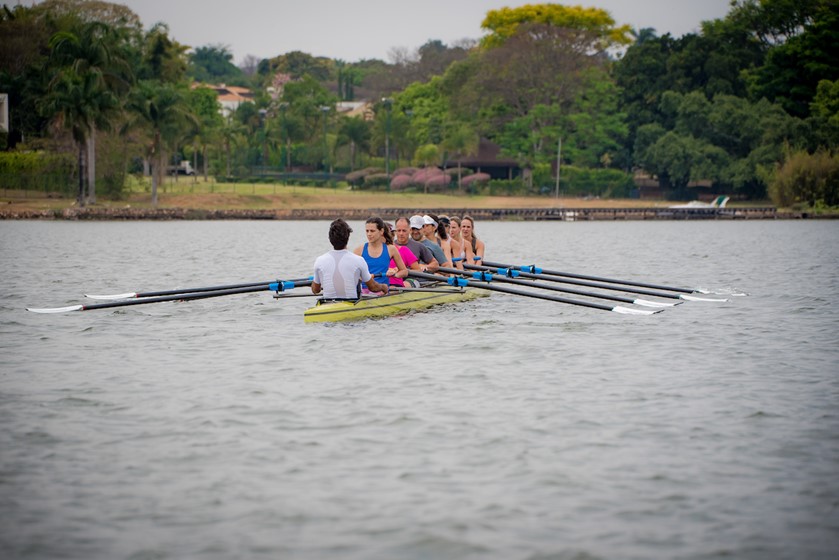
x=824, y=114
x=460, y=140
x=356, y=132
x=596, y=26
x=162, y=58
x=678, y=159
x=76, y=102
x=793, y=70
x=595, y=129
x=214, y=64
x=91, y=74
x=88, y=11
x=203, y=103
x=231, y=133
x=162, y=109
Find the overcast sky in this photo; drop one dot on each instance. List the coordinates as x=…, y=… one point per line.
x=371, y=28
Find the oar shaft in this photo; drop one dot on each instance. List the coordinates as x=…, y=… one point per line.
x=278, y=286
x=594, y=278
x=176, y=297
x=503, y=289
x=498, y=278
x=187, y=290
x=561, y=280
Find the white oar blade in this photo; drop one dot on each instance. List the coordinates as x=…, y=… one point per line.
x=647, y=303
x=55, y=309
x=112, y=296
x=720, y=293
x=630, y=311
x=694, y=298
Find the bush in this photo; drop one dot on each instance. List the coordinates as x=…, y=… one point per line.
x=38, y=170
x=499, y=187
x=585, y=181
x=400, y=182
x=477, y=178
x=376, y=180
x=806, y=178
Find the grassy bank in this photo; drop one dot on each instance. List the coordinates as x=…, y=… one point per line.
x=210, y=195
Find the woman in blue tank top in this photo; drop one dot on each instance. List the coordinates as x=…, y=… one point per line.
x=379, y=250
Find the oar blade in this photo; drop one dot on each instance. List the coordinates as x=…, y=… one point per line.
x=630, y=311
x=128, y=295
x=648, y=303
x=56, y=309
x=687, y=297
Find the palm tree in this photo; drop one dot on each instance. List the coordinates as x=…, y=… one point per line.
x=163, y=110
x=355, y=132
x=460, y=140
x=92, y=72
x=231, y=134
x=75, y=103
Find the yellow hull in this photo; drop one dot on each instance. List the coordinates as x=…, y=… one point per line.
x=392, y=304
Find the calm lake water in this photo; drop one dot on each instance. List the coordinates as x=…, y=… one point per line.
x=506, y=428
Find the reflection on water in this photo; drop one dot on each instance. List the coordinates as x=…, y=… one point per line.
x=501, y=428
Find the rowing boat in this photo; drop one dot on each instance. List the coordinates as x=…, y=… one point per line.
x=394, y=303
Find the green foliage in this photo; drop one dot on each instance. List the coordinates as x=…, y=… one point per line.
x=214, y=64
x=793, y=69
x=161, y=57
x=603, y=183
x=32, y=164
x=506, y=22
x=112, y=158
x=299, y=64
x=499, y=187
x=824, y=114
x=807, y=178
x=427, y=155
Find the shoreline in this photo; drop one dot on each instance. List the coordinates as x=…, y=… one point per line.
x=103, y=213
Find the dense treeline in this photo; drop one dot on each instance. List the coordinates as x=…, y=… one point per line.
x=750, y=103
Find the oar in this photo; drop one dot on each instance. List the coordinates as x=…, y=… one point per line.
x=463, y=282
x=486, y=276
x=513, y=273
x=278, y=286
x=536, y=270
x=130, y=295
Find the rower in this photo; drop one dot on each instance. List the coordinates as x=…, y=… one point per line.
x=458, y=251
x=440, y=236
x=379, y=251
x=427, y=227
x=426, y=259
x=474, y=246
x=338, y=272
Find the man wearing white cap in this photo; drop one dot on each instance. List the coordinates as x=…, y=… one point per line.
x=429, y=229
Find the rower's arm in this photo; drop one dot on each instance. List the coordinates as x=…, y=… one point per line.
x=374, y=286
x=432, y=266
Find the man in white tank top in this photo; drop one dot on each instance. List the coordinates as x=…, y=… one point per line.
x=338, y=272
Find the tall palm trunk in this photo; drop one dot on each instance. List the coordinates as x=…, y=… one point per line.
x=156, y=171
x=91, y=167
x=80, y=198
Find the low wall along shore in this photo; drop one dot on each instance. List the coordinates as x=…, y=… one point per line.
x=481, y=214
